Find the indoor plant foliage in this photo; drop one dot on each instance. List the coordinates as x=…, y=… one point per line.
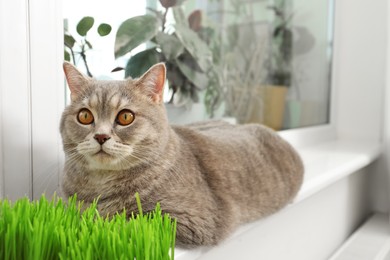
x=179, y=44
x=74, y=48
x=280, y=67
x=57, y=230
x=242, y=51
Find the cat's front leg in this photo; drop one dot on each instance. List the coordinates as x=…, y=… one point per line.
x=193, y=231
x=190, y=234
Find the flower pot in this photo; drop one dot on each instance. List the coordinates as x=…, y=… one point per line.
x=274, y=105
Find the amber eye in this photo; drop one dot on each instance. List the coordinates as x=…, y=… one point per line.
x=125, y=117
x=85, y=117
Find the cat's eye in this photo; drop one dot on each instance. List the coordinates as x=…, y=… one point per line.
x=85, y=117
x=125, y=117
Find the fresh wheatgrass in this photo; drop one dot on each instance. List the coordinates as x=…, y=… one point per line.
x=54, y=229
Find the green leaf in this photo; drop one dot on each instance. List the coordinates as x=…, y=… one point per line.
x=195, y=46
x=200, y=80
x=69, y=40
x=170, y=45
x=133, y=32
x=104, y=29
x=141, y=62
x=88, y=44
x=117, y=69
x=85, y=25
x=66, y=55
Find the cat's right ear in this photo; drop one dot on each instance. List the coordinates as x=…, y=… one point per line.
x=153, y=82
x=77, y=81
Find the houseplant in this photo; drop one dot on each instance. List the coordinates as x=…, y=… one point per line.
x=187, y=57
x=43, y=229
x=74, y=48
x=280, y=66
x=288, y=39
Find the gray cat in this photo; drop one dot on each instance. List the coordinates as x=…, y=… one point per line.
x=210, y=176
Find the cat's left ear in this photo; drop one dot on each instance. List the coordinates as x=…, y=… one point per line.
x=153, y=80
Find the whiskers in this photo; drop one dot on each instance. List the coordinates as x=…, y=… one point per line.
x=46, y=179
x=73, y=157
x=47, y=173
x=126, y=157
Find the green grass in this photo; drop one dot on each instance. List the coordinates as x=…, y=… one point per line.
x=54, y=229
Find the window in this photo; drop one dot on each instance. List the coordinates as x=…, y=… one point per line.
x=253, y=61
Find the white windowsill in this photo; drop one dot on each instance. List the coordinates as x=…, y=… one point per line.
x=325, y=164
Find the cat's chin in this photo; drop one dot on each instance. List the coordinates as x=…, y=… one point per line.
x=106, y=161
x=102, y=161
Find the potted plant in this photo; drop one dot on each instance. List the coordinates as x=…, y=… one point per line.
x=280, y=66
x=180, y=45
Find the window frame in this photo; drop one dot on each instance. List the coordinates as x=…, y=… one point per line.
x=30, y=69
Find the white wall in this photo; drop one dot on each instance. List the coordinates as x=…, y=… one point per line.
x=379, y=185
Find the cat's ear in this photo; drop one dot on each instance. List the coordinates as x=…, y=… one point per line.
x=153, y=81
x=77, y=81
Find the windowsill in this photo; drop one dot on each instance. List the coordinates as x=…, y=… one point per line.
x=325, y=164
x=329, y=162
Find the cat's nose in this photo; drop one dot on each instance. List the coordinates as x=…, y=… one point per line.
x=101, y=138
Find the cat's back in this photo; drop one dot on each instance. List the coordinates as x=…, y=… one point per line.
x=208, y=134
x=250, y=158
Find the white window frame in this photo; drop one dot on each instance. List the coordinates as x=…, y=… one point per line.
x=31, y=50
x=15, y=98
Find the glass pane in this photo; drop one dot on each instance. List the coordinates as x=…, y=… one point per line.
x=247, y=61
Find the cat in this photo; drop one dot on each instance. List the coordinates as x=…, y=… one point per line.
x=211, y=176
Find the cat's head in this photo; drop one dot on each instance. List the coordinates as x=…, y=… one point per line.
x=114, y=124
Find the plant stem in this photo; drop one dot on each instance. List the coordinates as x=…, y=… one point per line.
x=164, y=20
x=84, y=57
x=174, y=89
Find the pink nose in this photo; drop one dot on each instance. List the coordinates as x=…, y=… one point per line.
x=101, y=138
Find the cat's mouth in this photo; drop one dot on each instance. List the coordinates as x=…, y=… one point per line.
x=102, y=154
